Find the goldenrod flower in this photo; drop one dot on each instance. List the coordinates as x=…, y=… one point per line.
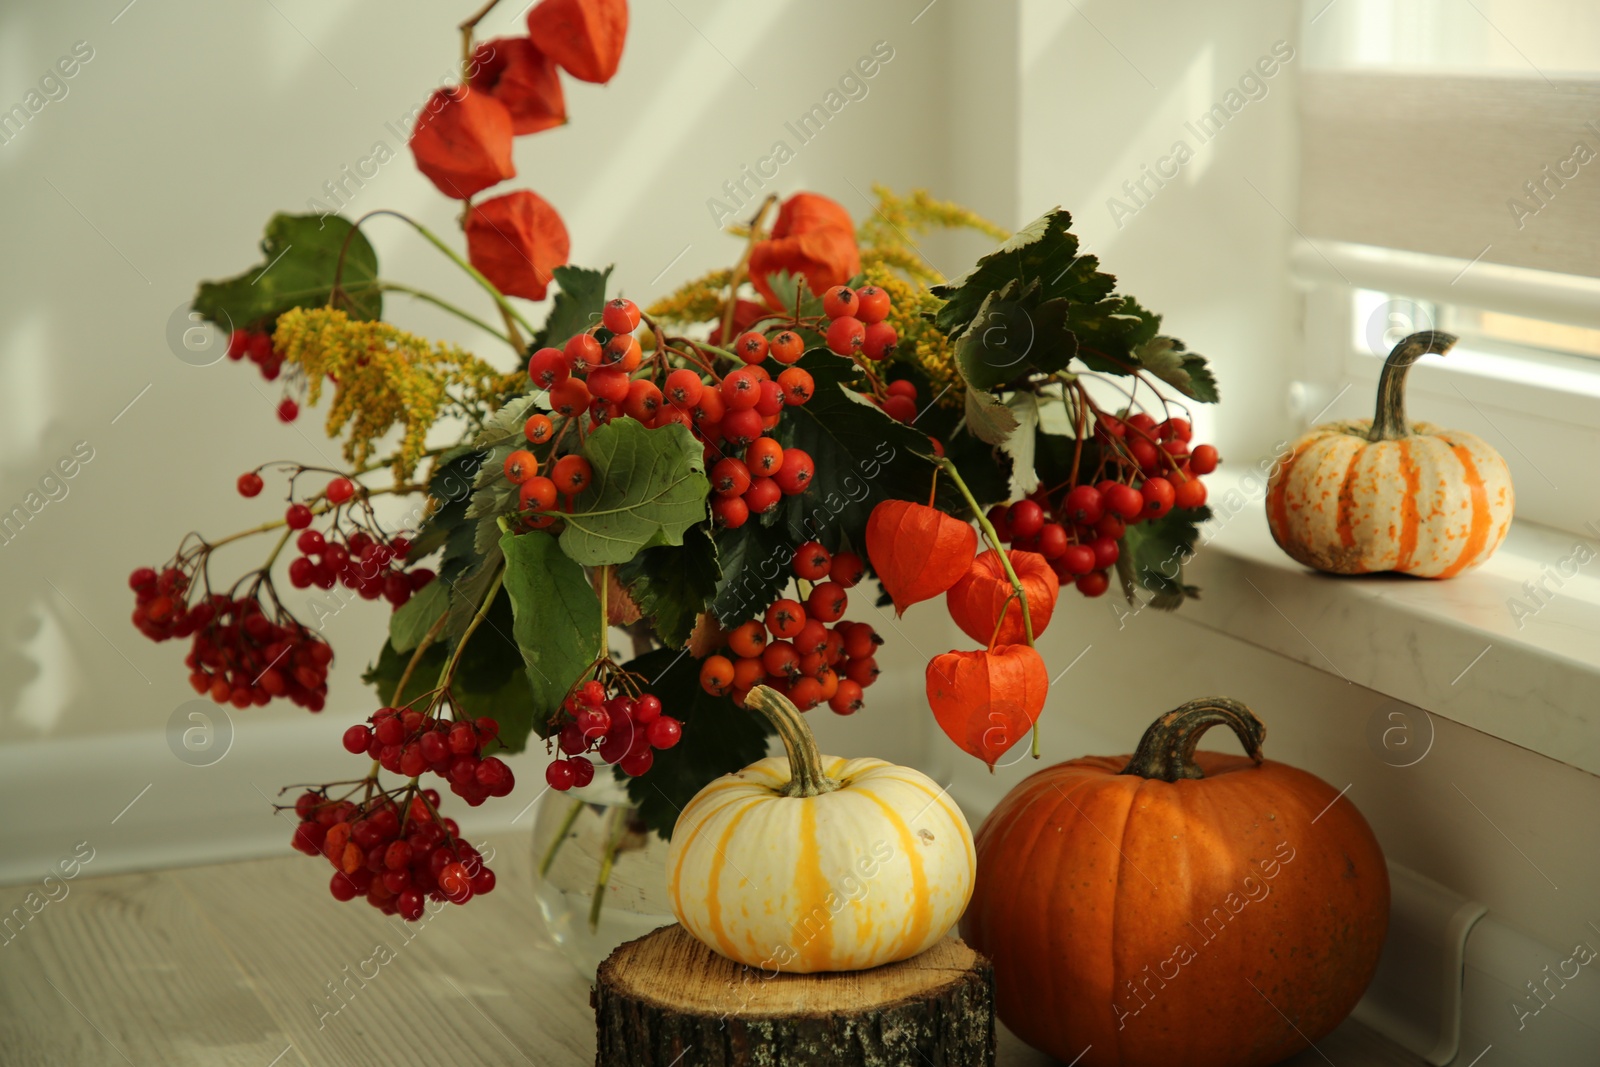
x=385, y=377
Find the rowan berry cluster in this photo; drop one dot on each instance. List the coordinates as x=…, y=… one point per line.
x=729, y=413
x=241, y=654
x=395, y=854
x=793, y=648
x=623, y=729
x=1150, y=469
x=856, y=322
x=409, y=742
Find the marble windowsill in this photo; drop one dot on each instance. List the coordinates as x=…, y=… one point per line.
x=1462, y=649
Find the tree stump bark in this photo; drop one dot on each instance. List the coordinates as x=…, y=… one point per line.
x=666, y=1000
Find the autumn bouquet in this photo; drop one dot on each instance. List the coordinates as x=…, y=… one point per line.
x=715, y=477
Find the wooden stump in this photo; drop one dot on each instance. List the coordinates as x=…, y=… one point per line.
x=666, y=1000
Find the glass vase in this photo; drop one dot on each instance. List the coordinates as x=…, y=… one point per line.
x=600, y=877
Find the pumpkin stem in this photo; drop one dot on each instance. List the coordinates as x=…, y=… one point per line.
x=806, y=777
x=1166, y=751
x=1389, y=422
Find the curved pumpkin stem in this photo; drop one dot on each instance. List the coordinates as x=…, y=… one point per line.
x=1166, y=751
x=1389, y=422
x=806, y=777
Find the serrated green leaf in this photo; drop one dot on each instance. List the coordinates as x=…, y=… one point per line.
x=1185, y=371
x=1013, y=334
x=754, y=561
x=580, y=299
x=489, y=680
x=1153, y=555
x=987, y=419
x=492, y=497
x=1044, y=252
x=412, y=620
x=504, y=427
x=649, y=487
x=786, y=287
x=450, y=486
x=385, y=674
x=1110, y=333
x=1019, y=444
x=862, y=456
x=300, y=257
x=718, y=738
x=673, y=584
x=557, y=617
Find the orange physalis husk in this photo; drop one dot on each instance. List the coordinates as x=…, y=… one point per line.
x=584, y=36
x=516, y=240
x=462, y=142
x=524, y=79
x=975, y=602
x=813, y=236
x=987, y=701
x=918, y=551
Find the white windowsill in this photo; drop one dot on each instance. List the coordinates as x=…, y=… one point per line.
x=1453, y=648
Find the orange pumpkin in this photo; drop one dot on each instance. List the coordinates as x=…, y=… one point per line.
x=1382, y=495
x=1173, y=907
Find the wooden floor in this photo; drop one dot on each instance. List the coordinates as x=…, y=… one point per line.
x=239, y=964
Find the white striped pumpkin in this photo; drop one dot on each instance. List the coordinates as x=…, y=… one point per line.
x=1379, y=494
x=840, y=866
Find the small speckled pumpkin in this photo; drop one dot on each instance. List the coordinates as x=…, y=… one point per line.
x=816, y=863
x=1362, y=496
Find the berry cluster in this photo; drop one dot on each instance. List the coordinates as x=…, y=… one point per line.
x=407, y=742
x=729, y=413
x=257, y=346
x=793, y=649
x=856, y=323
x=241, y=655
x=1079, y=531
x=395, y=862
x=622, y=729
x=371, y=565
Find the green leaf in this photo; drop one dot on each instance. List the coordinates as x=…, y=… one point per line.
x=649, y=487
x=1012, y=334
x=673, y=584
x=557, y=617
x=451, y=488
x=1185, y=371
x=718, y=738
x=1111, y=332
x=504, y=427
x=1019, y=445
x=989, y=420
x=300, y=257
x=862, y=456
x=1043, y=252
x=1153, y=555
x=577, y=305
x=492, y=497
x=489, y=680
x=468, y=573
x=385, y=674
x=412, y=621
x=786, y=287
x=754, y=560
